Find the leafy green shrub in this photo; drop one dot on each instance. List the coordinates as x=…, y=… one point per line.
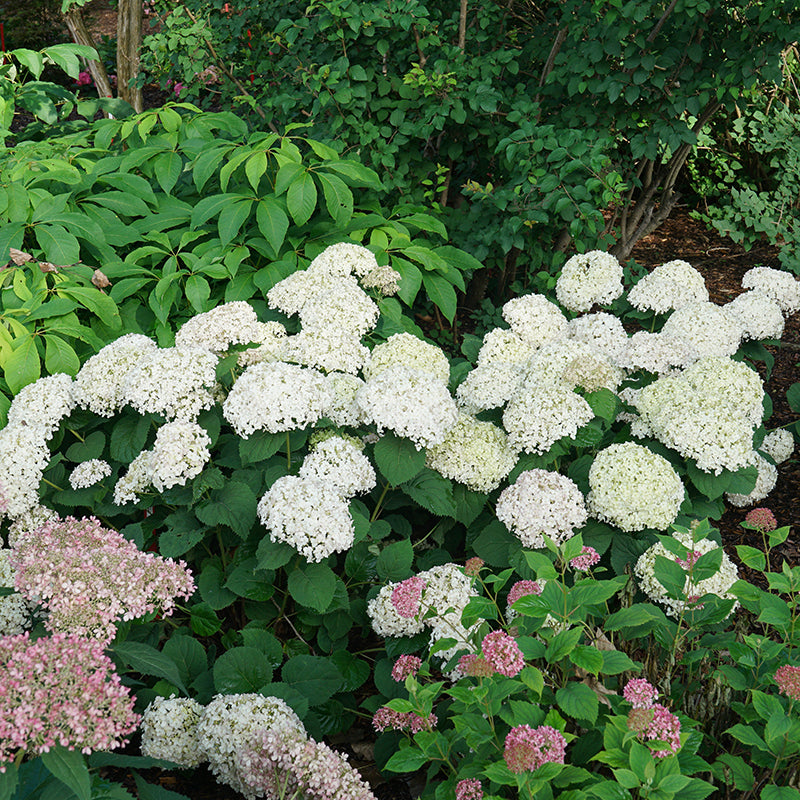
x=32, y=25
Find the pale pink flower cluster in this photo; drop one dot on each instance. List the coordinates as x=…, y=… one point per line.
x=60, y=690
x=502, y=653
x=469, y=789
x=87, y=577
x=692, y=557
x=385, y=718
x=406, y=596
x=762, y=519
x=521, y=589
x=664, y=727
x=279, y=764
x=654, y=722
x=586, y=560
x=527, y=748
x=640, y=693
x=404, y=666
x=788, y=680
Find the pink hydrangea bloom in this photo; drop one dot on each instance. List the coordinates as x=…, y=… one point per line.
x=405, y=666
x=528, y=748
x=60, y=690
x=640, y=693
x=788, y=680
x=406, y=596
x=286, y=764
x=522, y=589
x=84, y=79
x=402, y=720
x=88, y=577
x=473, y=566
x=762, y=519
x=469, y=789
x=474, y=666
x=586, y=560
x=692, y=557
x=503, y=653
x=664, y=727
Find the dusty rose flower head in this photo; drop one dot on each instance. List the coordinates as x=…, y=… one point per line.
x=586, y=560
x=406, y=596
x=762, y=519
x=469, y=789
x=503, y=653
x=528, y=748
x=404, y=666
x=473, y=566
x=522, y=589
x=640, y=693
x=664, y=727
x=692, y=557
x=788, y=680
x=402, y=720
x=475, y=666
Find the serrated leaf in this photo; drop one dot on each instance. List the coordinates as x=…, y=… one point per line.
x=394, y=561
x=433, y=492
x=149, y=661
x=271, y=555
x=408, y=759
x=398, y=459
x=316, y=678
x=233, y=505
x=241, y=670
x=204, y=620
x=312, y=585
x=70, y=768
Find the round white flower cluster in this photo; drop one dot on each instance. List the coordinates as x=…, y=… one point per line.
x=708, y=412
x=216, y=330
x=537, y=418
x=169, y=731
x=343, y=305
x=501, y=346
x=710, y=329
x=136, y=480
x=603, y=331
x=15, y=610
x=657, y=352
x=326, y=348
x=180, y=452
x=406, y=350
x=271, y=340
x=43, y=404
x=307, y=514
x=593, y=277
x=228, y=724
x=175, y=382
x=758, y=314
x=541, y=503
x=571, y=363
x=342, y=408
x=294, y=291
x=489, y=386
x=778, y=445
x=275, y=397
x=718, y=584
x=100, y=382
x=765, y=483
x=633, y=488
x=474, y=453
x=88, y=473
x=340, y=464
x=342, y=259
x=383, y=279
x=385, y=619
x=411, y=402
x=24, y=456
x=670, y=286
x=781, y=286
x=535, y=319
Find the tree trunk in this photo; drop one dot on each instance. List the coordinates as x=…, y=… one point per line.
x=80, y=35
x=129, y=41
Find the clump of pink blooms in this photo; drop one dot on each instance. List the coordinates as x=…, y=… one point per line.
x=527, y=748
x=586, y=560
x=475, y=666
x=762, y=519
x=88, y=577
x=473, y=566
x=692, y=557
x=502, y=653
x=286, y=764
x=406, y=596
x=60, y=690
x=788, y=680
x=650, y=719
x=84, y=79
x=640, y=693
x=469, y=789
x=523, y=589
x=404, y=666
x=385, y=718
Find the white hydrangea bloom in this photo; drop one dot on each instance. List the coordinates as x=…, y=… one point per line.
x=633, y=488
x=26, y=523
x=670, y=286
x=342, y=408
x=386, y=621
x=15, y=610
x=24, y=456
x=489, y=386
x=307, y=514
x=710, y=329
x=572, y=364
x=342, y=259
x=327, y=349
x=535, y=318
x=271, y=339
x=43, y=404
x=228, y=723
x=99, y=384
x=137, y=479
x=275, y=397
x=603, y=331
x=407, y=350
x=778, y=284
x=759, y=315
x=447, y=592
x=541, y=502
x=589, y=278
x=708, y=412
x=216, y=330
x=179, y=453
x=474, y=453
x=639, y=428
x=343, y=305
x=383, y=279
x=718, y=584
x=778, y=445
x=340, y=464
x=410, y=402
x=294, y=291
x=88, y=473
x=538, y=418
x=765, y=483
x=169, y=731
x=502, y=346
x=174, y=382
x=657, y=352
